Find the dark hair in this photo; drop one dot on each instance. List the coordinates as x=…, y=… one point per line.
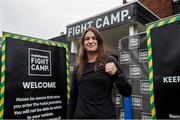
x=83, y=55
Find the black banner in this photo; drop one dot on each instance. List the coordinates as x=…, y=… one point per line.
x=35, y=80
x=166, y=70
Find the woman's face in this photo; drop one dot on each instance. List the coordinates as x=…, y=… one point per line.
x=90, y=42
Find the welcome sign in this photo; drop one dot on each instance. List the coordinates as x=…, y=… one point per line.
x=34, y=77
x=164, y=76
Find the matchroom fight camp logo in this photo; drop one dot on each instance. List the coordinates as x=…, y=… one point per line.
x=125, y=57
x=39, y=63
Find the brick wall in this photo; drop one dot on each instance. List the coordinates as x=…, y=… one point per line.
x=162, y=8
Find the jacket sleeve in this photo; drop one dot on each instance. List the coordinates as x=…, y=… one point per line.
x=73, y=96
x=121, y=81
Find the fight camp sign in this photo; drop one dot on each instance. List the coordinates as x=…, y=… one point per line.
x=163, y=57
x=34, y=78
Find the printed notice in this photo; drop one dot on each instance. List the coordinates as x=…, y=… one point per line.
x=41, y=107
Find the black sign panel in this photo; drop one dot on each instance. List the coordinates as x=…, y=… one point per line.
x=166, y=70
x=106, y=20
x=35, y=81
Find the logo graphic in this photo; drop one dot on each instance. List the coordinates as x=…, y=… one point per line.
x=118, y=100
x=134, y=42
x=121, y=116
x=137, y=102
x=143, y=55
x=39, y=62
x=146, y=116
x=125, y=57
x=71, y=68
x=135, y=71
x=144, y=87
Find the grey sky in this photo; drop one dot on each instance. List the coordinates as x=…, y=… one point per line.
x=48, y=18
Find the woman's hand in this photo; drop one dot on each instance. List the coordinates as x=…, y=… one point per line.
x=111, y=68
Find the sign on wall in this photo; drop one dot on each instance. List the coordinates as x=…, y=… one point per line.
x=164, y=56
x=34, y=77
x=106, y=20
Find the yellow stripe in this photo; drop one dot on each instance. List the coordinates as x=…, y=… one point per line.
x=160, y=23
x=68, y=72
x=151, y=86
x=3, y=38
x=172, y=20
x=2, y=79
x=68, y=88
x=66, y=47
x=68, y=80
x=148, y=31
x=150, y=27
x=151, y=75
x=56, y=44
x=153, y=111
x=3, y=68
x=59, y=45
x=3, y=48
x=46, y=42
x=24, y=38
x=7, y=35
x=150, y=63
x=3, y=58
x=16, y=37
x=148, y=41
x=53, y=43
x=40, y=41
x=2, y=90
x=2, y=101
x=149, y=52
x=68, y=96
x=1, y=113
x=32, y=40
x=152, y=99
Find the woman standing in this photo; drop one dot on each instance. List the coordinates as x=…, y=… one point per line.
x=93, y=79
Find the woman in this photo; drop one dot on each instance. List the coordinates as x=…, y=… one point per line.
x=93, y=79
